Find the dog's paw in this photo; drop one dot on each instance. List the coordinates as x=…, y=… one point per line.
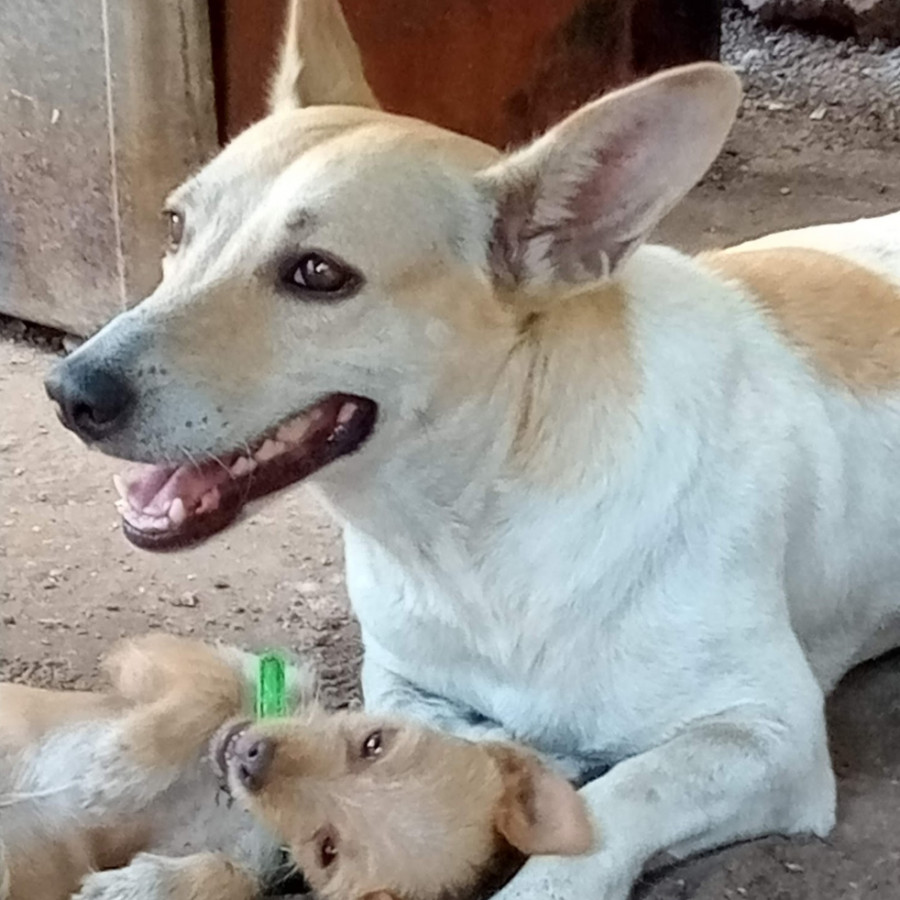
x=147, y=878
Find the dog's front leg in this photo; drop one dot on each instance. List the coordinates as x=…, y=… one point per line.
x=385, y=690
x=727, y=777
x=202, y=876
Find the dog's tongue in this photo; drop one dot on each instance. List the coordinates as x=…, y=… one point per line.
x=158, y=498
x=166, y=507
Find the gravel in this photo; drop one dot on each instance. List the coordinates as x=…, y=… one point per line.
x=838, y=81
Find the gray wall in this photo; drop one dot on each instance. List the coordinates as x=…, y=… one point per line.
x=105, y=105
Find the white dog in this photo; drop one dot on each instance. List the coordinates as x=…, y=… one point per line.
x=620, y=504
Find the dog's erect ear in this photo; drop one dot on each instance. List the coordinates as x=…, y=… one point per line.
x=571, y=206
x=539, y=812
x=320, y=62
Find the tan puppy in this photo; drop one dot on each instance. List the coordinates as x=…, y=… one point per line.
x=375, y=807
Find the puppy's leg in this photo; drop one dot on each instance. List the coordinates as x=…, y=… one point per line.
x=202, y=876
x=757, y=768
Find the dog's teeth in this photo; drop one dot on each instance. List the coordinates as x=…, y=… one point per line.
x=177, y=512
x=119, y=485
x=269, y=450
x=346, y=412
x=210, y=500
x=242, y=466
x=293, y=432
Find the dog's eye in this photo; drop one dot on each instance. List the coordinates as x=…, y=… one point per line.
x=373, y=745
x=316, y=273
x=327, y=851
x=175, y=223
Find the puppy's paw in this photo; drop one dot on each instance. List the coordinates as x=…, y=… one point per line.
x=144, y=669
x=203, y=876
x=147, y=878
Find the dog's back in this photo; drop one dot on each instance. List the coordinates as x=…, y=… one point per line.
x=872, y=243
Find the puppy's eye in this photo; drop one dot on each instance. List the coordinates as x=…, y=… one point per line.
x=373, y=745
x=316, y=273
x=327, y=851
x=175, y=224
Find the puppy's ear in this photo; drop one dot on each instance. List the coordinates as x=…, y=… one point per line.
x=539, y=811
x=571, y=206
x=320, y=62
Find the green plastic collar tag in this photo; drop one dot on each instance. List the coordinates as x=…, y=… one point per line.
x=271, y=690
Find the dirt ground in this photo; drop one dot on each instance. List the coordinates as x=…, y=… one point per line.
x=70, y=583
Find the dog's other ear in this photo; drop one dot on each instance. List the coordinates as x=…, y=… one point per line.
x=571, y=206
x=539, y=811
x=320, y=62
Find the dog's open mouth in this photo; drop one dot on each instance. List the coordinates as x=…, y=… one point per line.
x=222, y=748
x=166, y=507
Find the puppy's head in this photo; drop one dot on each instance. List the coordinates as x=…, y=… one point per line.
x=373, y=807
x=338, y=278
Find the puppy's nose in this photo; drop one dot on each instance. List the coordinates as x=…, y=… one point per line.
x=93, y=402
x=252, y=759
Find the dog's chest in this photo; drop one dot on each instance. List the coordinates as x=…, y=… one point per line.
x=533, y=654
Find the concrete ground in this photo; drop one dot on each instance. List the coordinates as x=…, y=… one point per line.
x=69, y=583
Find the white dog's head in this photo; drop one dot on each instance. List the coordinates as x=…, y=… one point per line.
x=339, y=276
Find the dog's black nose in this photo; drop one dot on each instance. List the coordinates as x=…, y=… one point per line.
x=252, y=758
x=92, y=401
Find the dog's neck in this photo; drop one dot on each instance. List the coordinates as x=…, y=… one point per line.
x=544, y=410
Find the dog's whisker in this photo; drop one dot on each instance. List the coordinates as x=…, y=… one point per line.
x=220, y=461
x=189, y=455
x=9, y=800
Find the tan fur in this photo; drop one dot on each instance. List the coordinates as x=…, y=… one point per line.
x=846, y=317
x=52, y=871
x=225, y=338
x=432, y=813
x=593, y=382
x=186, y=691
x=29, y=714
x=212, y=876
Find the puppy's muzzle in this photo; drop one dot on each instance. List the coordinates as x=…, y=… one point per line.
x=244, y=756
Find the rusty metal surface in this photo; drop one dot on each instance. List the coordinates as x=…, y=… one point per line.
x=499, y=70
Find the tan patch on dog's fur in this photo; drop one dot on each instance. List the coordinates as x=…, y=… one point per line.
x=846, y=316
x=578, y=377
